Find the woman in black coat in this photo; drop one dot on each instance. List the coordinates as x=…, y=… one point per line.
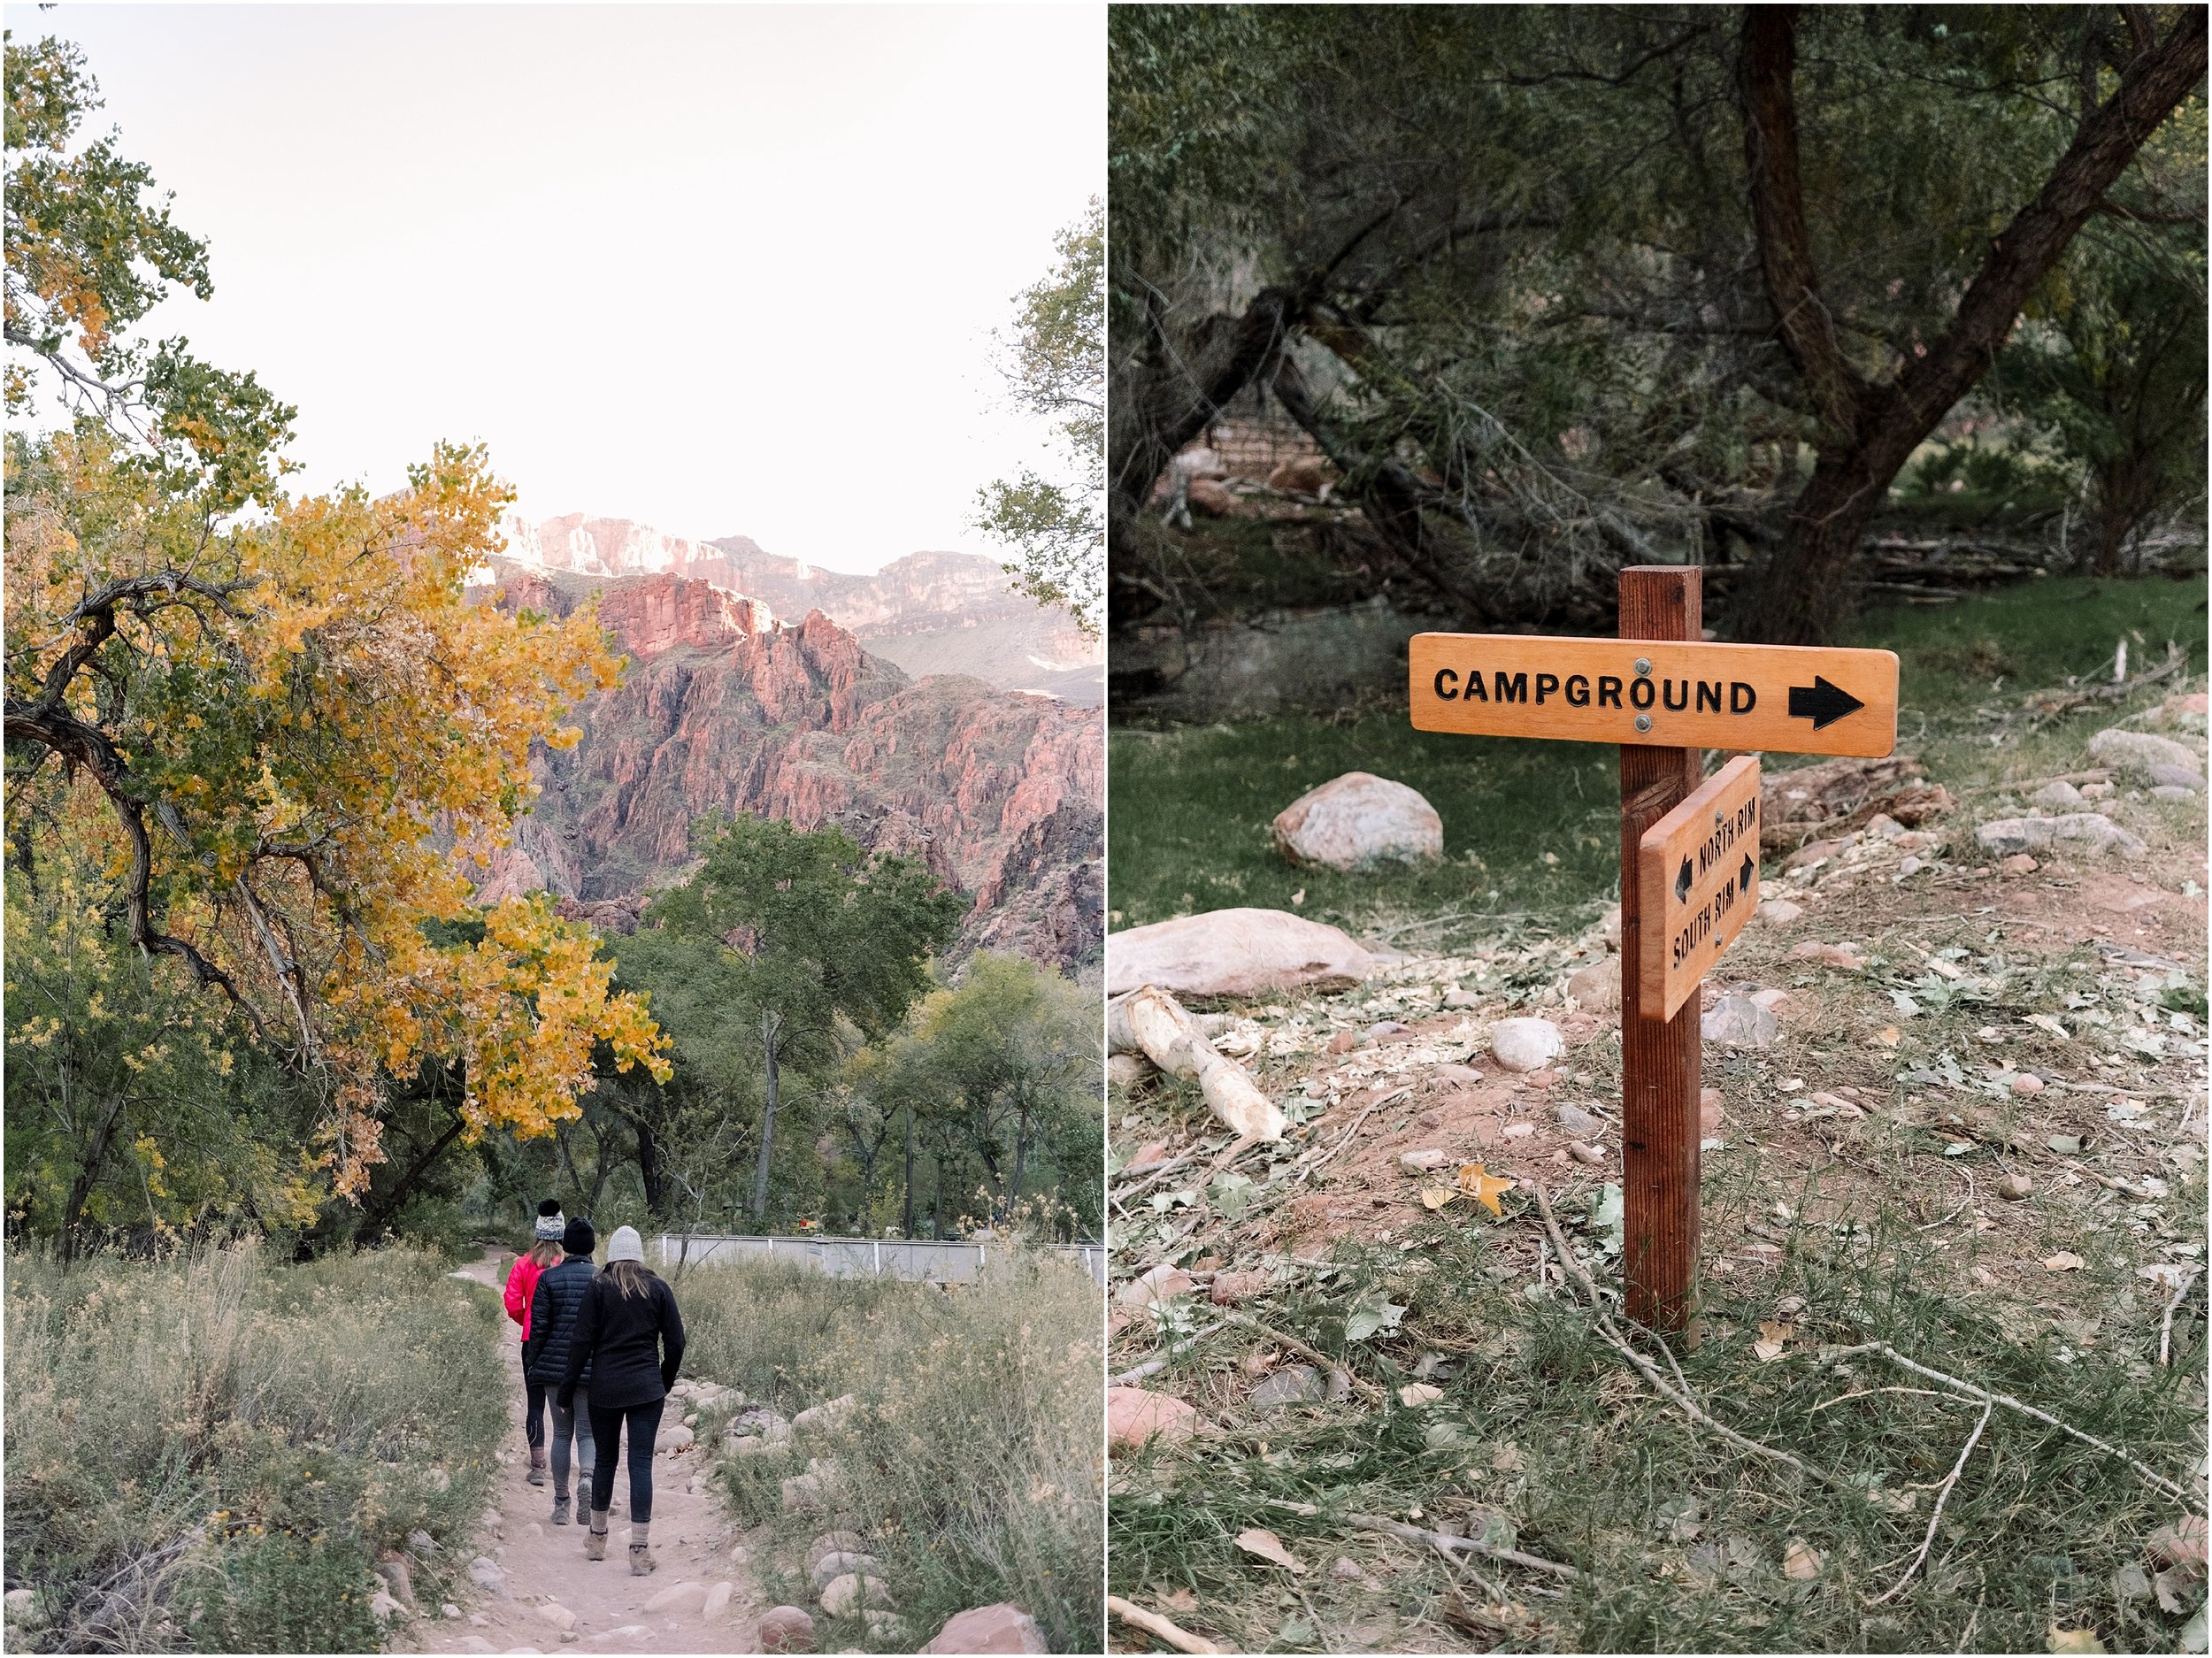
x=630, y=1335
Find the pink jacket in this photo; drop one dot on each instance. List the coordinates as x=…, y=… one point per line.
x=522, y=1283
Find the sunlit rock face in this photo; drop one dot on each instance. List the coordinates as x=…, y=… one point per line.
x=726, y=709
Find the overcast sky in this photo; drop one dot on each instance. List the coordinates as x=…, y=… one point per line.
x=723, y=270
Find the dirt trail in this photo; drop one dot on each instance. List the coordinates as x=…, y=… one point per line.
x=545, y=1566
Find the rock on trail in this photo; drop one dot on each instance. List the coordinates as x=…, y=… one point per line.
x=1357, y=821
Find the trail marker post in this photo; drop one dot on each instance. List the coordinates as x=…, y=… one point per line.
x=1689, y=845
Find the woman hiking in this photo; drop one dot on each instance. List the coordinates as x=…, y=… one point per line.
x=522, y=1279
x=553, y=1317
x=631, y=1337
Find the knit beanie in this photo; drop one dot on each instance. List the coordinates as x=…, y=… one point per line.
x=626, y=1244
x=578, y=1239
x=549, y=1222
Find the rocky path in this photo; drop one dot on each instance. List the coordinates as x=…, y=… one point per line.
x=533, y=1591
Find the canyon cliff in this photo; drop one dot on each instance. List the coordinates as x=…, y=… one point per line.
x=929, y=613
x=727, y=709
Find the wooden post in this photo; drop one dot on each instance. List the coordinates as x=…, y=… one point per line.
x=1659, y=1073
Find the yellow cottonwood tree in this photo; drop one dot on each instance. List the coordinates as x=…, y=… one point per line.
x=297, y=733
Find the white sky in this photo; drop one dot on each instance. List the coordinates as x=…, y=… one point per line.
x=724, y=270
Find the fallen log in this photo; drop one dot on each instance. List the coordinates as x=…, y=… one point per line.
x=1150, y=1022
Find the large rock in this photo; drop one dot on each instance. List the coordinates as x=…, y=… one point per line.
x=1003, y=1628
x=1358, y=822
x=488, y=1575
x=1233, y=952
x=2138, y=751
x=824, y=1414
x=1737, y=1021
x=1134, y=1415
x=852, y=1591
x=2073, y=832
x=832, y=1543
x=787, y=1629
x=679, y=1597
x=828, y=1570
x=1526, y=1044
x=671, y=1438
x=1597, y=987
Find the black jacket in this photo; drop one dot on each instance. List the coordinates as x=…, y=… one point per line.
x=553, y=1310
x=629, y=1345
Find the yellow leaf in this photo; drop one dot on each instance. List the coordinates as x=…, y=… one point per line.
x=2072, y=1640
x=2064, y=1261
x=1483, y=1188
x=1800, y=1562
x=1436, y=1196
x=1773, y=1338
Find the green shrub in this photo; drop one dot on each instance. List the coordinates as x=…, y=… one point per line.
x=971, y=1459
x=210, y=1450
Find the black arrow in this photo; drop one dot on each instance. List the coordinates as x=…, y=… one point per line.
x=1822, y=702
x=1744, y=875
x=1682, y=883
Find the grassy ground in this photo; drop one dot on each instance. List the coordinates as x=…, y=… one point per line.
x=970, y=1459
x=1534, y=827
x=1823, y=1228
x=210, y=1452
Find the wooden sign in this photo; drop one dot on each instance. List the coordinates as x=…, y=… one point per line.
x=1786, y=699
x=1698, y=884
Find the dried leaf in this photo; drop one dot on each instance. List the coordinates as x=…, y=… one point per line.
x=1801, y=1562
x=1184, y=1599
x=1887, y=1036
x=1415, y=1394
x=2064, y=1261
x=1483, y=1188
x=2171, y=1586
x=1268, y=1547
x=2180, y=1544
x=1773, y=1337
x=1436, y=1196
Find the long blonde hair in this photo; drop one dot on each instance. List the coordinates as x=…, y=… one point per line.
x=546, y=1252
x=629, y=1278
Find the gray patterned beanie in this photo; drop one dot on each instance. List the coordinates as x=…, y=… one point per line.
x=550, y=1226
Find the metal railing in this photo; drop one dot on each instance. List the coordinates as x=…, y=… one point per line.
x=913, y=1258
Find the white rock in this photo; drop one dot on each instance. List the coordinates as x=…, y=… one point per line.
x=2081, y=831
x=1421, y=1161
x=822, y=1415
x=2138, y=751
x=1526, y=1044
x=1737, y=1021
x=848, y=1592
x=558, y=1615
x=685, y=1597
x=671, y=1440
x=2058, y=795
x=1597, y=987
x=1358, y=822
x=717, y=1600
x=384, y=1606
x=1233, y=952
x=835, y=1564
x=1780, y=912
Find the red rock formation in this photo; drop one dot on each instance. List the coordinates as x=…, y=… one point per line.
x=723, y=711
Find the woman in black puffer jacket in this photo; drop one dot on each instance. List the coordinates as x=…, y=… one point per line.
x=554, y=1306
x=631, y=1338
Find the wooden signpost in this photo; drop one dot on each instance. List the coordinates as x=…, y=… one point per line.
x=1664, y=696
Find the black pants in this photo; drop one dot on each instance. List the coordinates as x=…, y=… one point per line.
x=533, y=1413
x=606, y=1433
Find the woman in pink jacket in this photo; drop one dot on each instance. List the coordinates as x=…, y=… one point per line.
x=522, y=1282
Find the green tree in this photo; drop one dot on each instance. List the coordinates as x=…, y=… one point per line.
x=810, y=930
x=90, y=250
x=1057, y=372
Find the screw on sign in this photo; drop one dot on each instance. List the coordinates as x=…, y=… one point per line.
x=1689, y=847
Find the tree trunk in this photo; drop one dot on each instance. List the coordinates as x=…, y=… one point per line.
x=372, y=1220
x=88, y=1177
x=1021, y=1151
x=1867, y=430
x=906, y=1216
x=770, y=1026
x=649, y=1173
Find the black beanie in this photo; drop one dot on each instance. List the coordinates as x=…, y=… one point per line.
x=580, y=1239
x=548, y=1207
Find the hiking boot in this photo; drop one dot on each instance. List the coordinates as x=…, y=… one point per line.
x=595, y=1544
x=536, y=1475
x=641, y=1562
x=560, y=1510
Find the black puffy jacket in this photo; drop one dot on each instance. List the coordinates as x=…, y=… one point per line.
x=553, y=1308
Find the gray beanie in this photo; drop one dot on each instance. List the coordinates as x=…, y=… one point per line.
x=626, y=1244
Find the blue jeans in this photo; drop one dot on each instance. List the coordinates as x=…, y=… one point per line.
x=606, y=1429
x=576, y=1421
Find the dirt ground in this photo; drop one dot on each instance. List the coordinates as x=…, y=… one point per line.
x=546, y=1569
x=2004, y=1064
